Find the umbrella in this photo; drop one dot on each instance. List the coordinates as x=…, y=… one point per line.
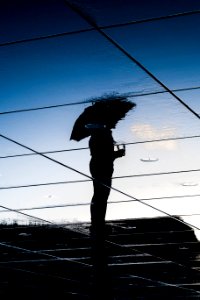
x=104, y=112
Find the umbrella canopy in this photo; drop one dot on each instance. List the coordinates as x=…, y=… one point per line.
x=104, y=112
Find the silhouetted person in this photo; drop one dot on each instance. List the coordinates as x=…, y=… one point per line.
x=102, y=152
x=96, y=121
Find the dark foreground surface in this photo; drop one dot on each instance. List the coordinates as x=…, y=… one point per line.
x=147, y=259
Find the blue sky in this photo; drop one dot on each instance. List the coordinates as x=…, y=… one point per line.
x=76, y=67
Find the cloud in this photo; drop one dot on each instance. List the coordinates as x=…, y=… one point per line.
x=148, y=132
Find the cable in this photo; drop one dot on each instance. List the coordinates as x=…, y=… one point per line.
x=85, y=175
x=87, y=180
x=130, y=95
x=185, y=223
x=43, y=184
x=44, y=107
x=91, y=22
x=190, y=215
x=46, y=152
x=177, y=15
x=85, y=148
x=183, y=14
x=156, y=174
x=109, y=202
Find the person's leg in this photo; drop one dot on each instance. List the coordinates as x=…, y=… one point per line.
x=98, y=206
x=101, y=281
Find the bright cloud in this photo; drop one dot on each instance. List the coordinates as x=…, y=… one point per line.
x=148, y=132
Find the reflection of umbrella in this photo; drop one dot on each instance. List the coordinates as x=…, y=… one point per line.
x=107, y=111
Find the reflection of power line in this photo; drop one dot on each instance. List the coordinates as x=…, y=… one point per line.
x=86, y=180
x=109, y=202
x=156, y=174
x=57, y=35
x=190, y=215
x=85, y=148
x=89, y=177
x=130, y=95
x=129, y=56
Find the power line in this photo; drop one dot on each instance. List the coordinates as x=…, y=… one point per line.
x=109, y=202
x=44, y=107
x=87, y=180
x=130, y=95
x=156, y=174
x=171, y=16
x=85, y=148
x=190, y=215
x=57, y=35
x=43, y=184
x=89, y=177
x=91, y=22
x=45, y=152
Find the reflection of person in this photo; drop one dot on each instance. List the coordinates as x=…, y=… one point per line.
x=102, y=152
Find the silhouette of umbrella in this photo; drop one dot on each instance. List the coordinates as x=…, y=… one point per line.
x=104, y=112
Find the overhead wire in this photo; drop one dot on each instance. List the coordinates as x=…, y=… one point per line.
x=85, y=148
x=86, y=176
x=130, y=95
x=89, y=177
x=134, y=22
x=91, y=22
x=109, y=202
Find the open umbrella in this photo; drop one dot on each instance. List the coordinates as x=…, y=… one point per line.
x=104, y=112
